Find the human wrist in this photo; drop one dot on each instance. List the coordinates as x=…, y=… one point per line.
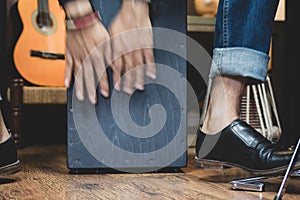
x=78, y=8
x=135, y=4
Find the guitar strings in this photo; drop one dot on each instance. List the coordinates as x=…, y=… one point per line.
x=44, y=14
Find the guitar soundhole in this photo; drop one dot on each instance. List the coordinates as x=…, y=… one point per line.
x=44, y=21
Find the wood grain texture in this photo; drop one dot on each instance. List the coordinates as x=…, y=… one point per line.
x=44, y=175
x=16, y=86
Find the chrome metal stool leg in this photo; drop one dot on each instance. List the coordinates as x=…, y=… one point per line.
x=288, y=173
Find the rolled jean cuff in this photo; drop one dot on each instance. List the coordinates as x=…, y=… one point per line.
x=239, y=61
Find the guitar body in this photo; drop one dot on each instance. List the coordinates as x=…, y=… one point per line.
x=38, y=45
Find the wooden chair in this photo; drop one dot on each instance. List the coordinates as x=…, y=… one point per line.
x=19, y=94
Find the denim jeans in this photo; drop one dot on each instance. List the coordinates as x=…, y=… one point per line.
x=242, y=38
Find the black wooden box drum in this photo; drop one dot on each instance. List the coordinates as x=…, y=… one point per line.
x=146, y=131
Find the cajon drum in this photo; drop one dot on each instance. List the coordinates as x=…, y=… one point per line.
x=107, y=143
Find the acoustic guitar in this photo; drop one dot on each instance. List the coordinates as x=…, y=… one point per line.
x=39, y=53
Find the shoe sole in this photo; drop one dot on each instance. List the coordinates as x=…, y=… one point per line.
x=221, y=165
x=10, y=169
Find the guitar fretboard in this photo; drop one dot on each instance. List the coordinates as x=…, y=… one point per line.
x=44, y=17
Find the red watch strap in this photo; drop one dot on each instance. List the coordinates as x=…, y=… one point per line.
x=83, y=22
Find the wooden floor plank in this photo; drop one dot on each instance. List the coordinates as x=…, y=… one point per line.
x=44, y=175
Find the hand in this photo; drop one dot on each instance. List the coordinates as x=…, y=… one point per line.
x=132, y=46
x=84, y=60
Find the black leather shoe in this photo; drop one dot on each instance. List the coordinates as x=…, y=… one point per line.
x=240, y=145
x=9, y=162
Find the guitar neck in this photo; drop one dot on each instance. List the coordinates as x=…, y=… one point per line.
x=44, y=17
x=43, y=6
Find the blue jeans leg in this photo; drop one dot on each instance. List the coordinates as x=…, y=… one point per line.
x=242, y=38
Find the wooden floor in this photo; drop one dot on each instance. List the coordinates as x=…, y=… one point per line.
x=44, y=175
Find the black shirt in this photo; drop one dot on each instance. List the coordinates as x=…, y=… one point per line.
x=62, y=2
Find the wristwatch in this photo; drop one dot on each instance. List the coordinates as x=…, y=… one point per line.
x=83, y=22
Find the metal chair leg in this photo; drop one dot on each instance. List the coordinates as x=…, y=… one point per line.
x=287, y=173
